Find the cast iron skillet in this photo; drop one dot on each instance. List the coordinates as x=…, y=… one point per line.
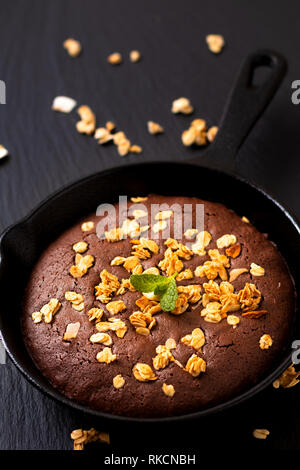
x=22, y=243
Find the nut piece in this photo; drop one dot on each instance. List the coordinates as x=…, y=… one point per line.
x=168, y=390
x=225, y=241
x=71, y=331
x=233, y=320
x=196, y=339
x=80, y=247
x=234, y=250
x=101, y=338
x=118, y=381
x=261, y=433
x=72, y=46
x=106, y=356
x=288, y=379
x=211, y=133
x=3, y=152
x=215, y=43
x=235, y=273
x=265, y=342
x=195, y=365
x=115, y=58
x=143, y=372
x=63, y=104
x=256, y=270
x=255, y=314
x=182, y=105
x=134, y=56
x=154, y=128
x=87, y=226
x=116, y=307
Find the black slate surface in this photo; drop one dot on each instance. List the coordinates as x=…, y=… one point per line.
x=47, y=152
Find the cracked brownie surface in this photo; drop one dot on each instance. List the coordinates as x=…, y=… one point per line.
x=232, y=353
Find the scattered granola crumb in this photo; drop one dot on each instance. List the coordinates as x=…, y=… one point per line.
x=168, y=390
x=115, y=58
x=71, y=331
x=256, y=270
x=233, y=320
x=3, y=152
x=225, y=241
x=182, y=105
x=63, y=104
x=215, y=43
x=154, y=128
x=110, y=126
x=265, y=342
x=106, y=356
x=73, y=47
x=288, y=378
x=170, y=343
x=80, y=247
x=244, y=219
x=47, y=311
x=261, y=433
x=82, y=437
x=138, y=199
x=135, y=149
x=143, y=372
x=211, y=133
x=118, y=381
x=87, y=125
x=235, y=273
x=135, y=56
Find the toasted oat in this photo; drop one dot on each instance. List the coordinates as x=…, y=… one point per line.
x=135, y=149
x=76, y=300
x=288, y=379
x=110, y=126
x=159, y=226
x=102, y=338
x=138, y=199
x=63, y=104
x=80, y=247
x=190, y=233
x=225, y=241
x=87, y=124
x=191, y=292
x=196, y=339
x=171, y=263
x=82, y=437
x=3, y=152
x=125, y=285
x=203, y=239
x=234, y=250
x=95, y=314
x=235, y=273
x=212, y=312
x=73, y=47
x=215, y=43
x=255, y=314
x=211, y=133
x=143, y=372
x=256, y=270
x=233, y=320
x=118, y=381
x=103, y=135
x=163, y=357
x=261, y=433
x=115, y=307
x=181, y=250
x=115, y=58
x=170, y=343
x=47, y=311
x=148, y=306
x=168, y=390
x=244, y=219
x=139, y=213
x=106, y=356
x=154, y=128
x=162, y=215
x=182, y=105
x=113, y=324
x=71, y=331
x=152, y=270
x=134, y=56
x=211, y=269
x=82, y=265
x=195, y=365
x=265, y=342
x=186, y=274
x=87, y=226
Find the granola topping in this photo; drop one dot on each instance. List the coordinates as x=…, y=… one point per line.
x=80, y=247
x=168, y=390
x=163, y=357
x=115, y=307
x=118, y=381
x=215, y=43
x=87, y=226
x=226, y=240
x=115, y=58
x=143, y=372
x=72, y=46
x=288, y=378
x=265, y=342
x=82, y=264
x=87, y=124
x=108, y=286
x=76, y=300
x=182, y=105
x=102, y=338
x=47, y=311
x=154, y=128
x=261, y=433
x=134, y=56
x=196, y=339
x=106, y=356
x=71, y=331
x=195, y=365
x=256, y=270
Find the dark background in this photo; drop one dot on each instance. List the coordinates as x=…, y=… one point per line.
x=46, y=152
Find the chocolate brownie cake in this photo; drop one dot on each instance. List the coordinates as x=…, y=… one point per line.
x=106, y=345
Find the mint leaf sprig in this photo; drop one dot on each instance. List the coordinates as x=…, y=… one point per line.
x=162, y=286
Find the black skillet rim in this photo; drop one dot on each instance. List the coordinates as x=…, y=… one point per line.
x=57, y=396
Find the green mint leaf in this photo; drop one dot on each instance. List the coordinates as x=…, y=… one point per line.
x=169, y=297
x=161, y=288
x=147, y=282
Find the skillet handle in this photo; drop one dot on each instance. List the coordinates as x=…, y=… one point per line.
x=245, y=104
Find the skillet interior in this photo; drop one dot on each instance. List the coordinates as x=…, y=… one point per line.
x=22, y=244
